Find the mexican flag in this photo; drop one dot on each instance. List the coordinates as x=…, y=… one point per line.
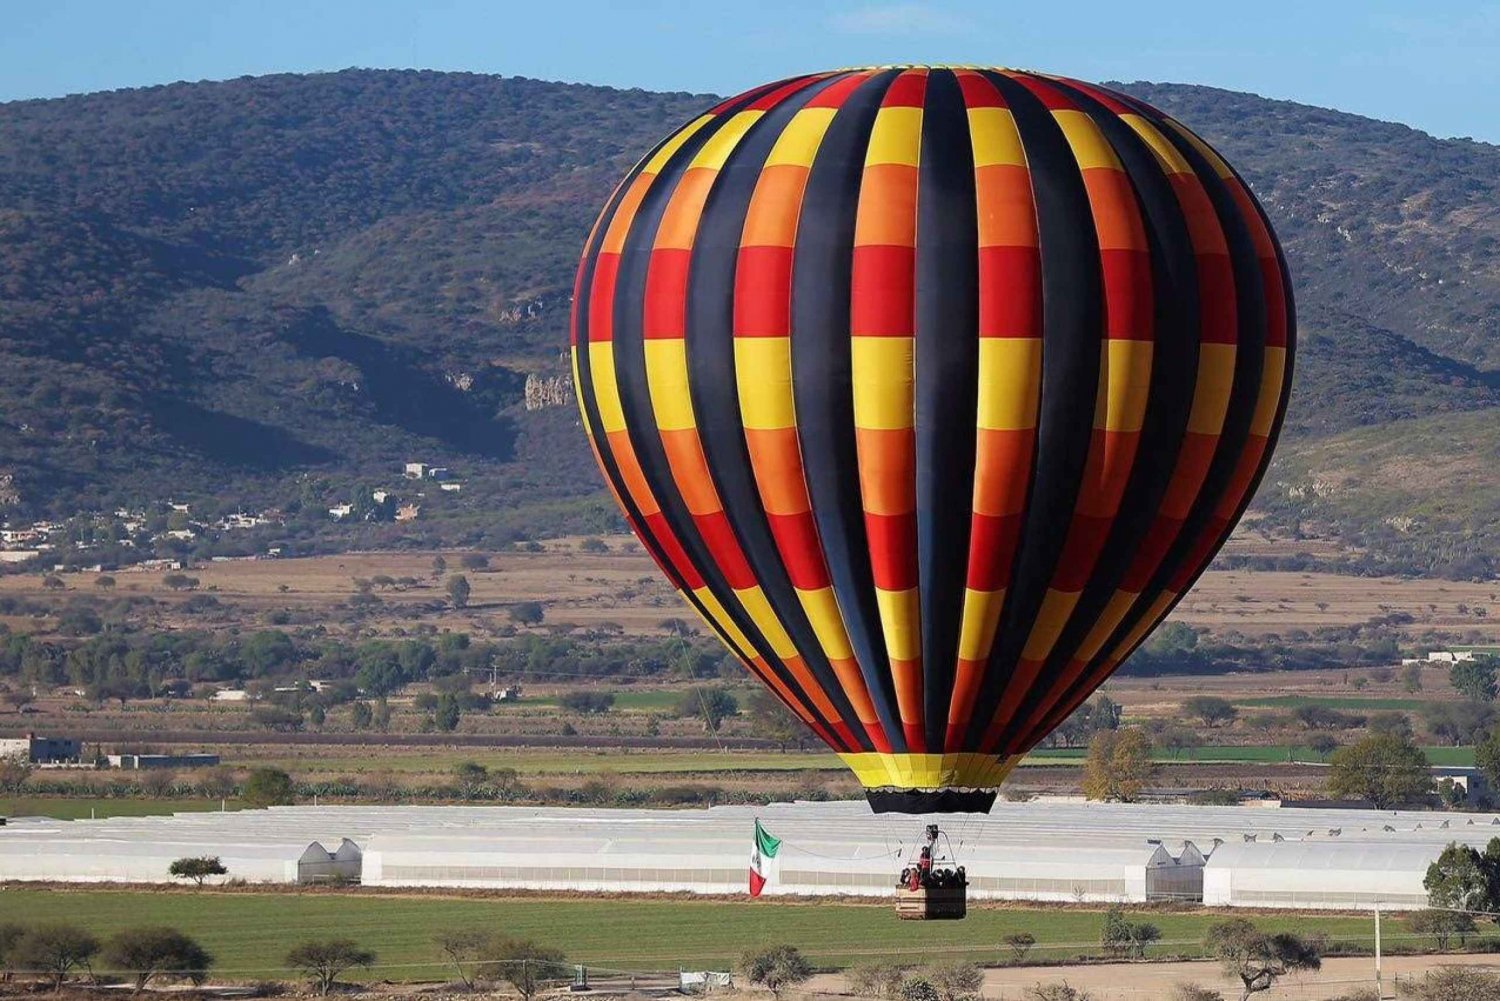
x=762, y=852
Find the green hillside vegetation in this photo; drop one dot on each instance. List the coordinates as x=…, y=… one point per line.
x=270, y=292
x=1422, y=493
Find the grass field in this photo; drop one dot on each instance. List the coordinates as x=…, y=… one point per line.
x=1352, y=702
x=250, y=932
x=81, y=809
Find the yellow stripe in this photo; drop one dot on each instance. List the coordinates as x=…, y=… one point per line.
x=1214, y=160
x=1119, y=603
x=993, y=135
x=964, y=770
x=1090, y=148
x=667, y=378
x=1049, y=622
x=1125, y=384
x=1270, y=391
x=715, y=151
x=799, y=141
x=672, y=145
x=583, y=414
x=720, y=616
x=896, y=137
x=763, y=376
x=900, y=622
x=882, y=368
x=822, y=609
x=1211, y=393
x=606, y=389
x=759, y=609
x=1171, y=161
x=981, y=616
x=1147, y=623
x=1010, y=376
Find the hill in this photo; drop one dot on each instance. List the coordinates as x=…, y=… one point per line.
x=270, y=292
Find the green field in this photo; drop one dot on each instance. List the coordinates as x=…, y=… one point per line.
x=250, y=932
x=83, y=808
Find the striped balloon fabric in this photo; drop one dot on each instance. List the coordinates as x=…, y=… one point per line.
x=932, y=389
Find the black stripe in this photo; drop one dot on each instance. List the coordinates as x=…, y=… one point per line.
x=1174, y=374
x=1072, y=329
x=823, y=388
x=1250, y=305
x=710, y=357
x=947, y=384
x=640, y=418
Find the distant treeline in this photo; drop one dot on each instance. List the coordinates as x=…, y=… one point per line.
x=140, y=664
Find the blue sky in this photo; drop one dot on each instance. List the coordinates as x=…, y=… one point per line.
x=1432, y=64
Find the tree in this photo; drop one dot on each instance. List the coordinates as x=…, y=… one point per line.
x=10, y=934
x=104, y=582
x=1211, y=709
x=1411, y=678
x=52, y=582
x=1475, y=680
x=527, y=613
x=180, y=581
x=361, y=715
x=1385, y=769
x=1462, y=879
x=197, y=868
x=593, y=545
x=146, y=952
x=776, y=968
x=322, y=962
x=1259, y=959
x=525, y=965
x=712, y=705
x=1020, y=943
x=1322, y=744
x=475, y=561
x=1442, y=925
x=447, y=714
x=471, y=777
x=267, y=787
x=1123, y=937
x=1487, y=757
x=465, y=948
x=586, y=702
x=217, y=782
x=774, y=721
x=955, y=980
x=56, y=950
x=439, y=565
x=1118, y=765
x=458, y=591
x=13, y=775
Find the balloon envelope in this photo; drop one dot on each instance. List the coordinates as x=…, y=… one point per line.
x=932, y=390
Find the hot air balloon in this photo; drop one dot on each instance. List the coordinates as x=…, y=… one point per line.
x=932, y=390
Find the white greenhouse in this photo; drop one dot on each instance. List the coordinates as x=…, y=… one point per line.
x=1041, y=850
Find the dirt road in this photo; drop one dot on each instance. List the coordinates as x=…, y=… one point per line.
x=1150, y=981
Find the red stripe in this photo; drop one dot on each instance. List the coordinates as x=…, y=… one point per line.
x=883, y=293
x=1010, y=296
x=992, y=550
x=1127, y=294
x=801, y=551
x=836, y=93
x=892, y=550
x=724, y=548
x=763, y=292
x=602, y=298
x=909, y=90
x=978, y=91
x=666, y=294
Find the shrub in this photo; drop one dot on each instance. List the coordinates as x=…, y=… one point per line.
x=776, y=968
x=267, y=787
x=1020, y=944
x=876, y=980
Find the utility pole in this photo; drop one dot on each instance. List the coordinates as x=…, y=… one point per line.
x=1379, y=987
